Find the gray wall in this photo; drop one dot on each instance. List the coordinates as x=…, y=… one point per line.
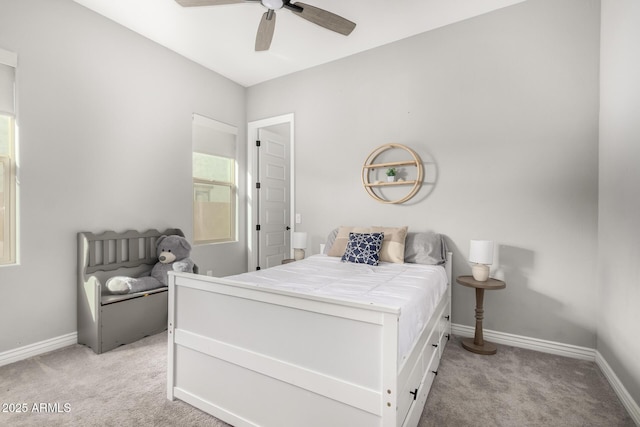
x=619, y=214
x=503, y=109
x=104, y=117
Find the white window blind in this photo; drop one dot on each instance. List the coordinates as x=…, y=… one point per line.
x=8, y=62
x=214, y=138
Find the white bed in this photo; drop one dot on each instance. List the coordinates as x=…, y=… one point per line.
x=348, y=345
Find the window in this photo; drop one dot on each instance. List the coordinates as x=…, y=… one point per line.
x=8, y=186
x=214, y=195
x=214, y=181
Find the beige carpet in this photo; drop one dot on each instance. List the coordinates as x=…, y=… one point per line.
x=123, y=387
x=127, y=387
x=518, y=387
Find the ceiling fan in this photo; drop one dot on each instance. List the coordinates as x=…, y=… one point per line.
x=267, y=25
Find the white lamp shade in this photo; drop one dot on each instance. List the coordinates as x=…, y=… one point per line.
x=299, y=240
x=481, y=252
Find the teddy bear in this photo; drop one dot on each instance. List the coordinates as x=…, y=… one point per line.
x=173, y=255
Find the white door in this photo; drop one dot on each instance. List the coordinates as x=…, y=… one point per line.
x=273, y=198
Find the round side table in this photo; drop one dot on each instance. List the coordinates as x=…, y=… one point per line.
x=478, y=344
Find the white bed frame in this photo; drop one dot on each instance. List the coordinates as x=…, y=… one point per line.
x=261, y=357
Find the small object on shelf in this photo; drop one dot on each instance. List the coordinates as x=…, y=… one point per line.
x=477, y=344
x=391, y=174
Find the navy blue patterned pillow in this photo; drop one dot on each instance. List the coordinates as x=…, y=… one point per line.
x=363, y=248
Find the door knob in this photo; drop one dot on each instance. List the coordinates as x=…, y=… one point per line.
x=288, y=228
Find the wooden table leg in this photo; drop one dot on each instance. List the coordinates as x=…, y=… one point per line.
x=478, y=344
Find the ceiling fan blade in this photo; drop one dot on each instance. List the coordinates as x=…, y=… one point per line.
x=265, y=31
x=322, y=17
x=193, y=3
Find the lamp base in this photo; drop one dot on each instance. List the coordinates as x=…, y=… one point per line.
x=480, y=272
x=298, y=254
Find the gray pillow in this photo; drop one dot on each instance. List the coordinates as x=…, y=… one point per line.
x=425, y=248
x=330, y=239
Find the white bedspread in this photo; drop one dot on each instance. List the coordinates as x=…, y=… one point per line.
x=414, y=289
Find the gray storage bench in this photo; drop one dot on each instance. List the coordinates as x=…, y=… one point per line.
x=106, y=321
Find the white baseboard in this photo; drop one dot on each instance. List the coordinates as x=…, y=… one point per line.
x=35, y=349
x=624, y=396
x=544, y=346
x=560, y=349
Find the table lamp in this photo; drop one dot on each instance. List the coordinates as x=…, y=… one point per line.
x=481, y=255
x=299, y=244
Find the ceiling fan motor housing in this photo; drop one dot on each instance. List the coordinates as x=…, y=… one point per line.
x=272, y=4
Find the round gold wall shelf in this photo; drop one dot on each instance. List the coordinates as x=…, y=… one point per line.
x=370, y=164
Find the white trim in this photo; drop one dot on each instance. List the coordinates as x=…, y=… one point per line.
x=252, y=213
x=205, y=121
x=8, y=58
x=35, y=349
x=544, y=346
x=627, y=401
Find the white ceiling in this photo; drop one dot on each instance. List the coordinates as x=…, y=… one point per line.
x=222, y=38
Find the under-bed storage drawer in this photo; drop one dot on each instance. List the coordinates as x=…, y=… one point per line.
x=408, y=394
x=431, y=369
x=127, y=321
x=430, y=362
x=413, y=390
x=444, y=329
x=417, y=384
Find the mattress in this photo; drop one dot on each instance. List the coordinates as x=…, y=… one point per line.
x=413, y=289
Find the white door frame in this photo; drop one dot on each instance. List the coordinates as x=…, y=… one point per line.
x=252, y=173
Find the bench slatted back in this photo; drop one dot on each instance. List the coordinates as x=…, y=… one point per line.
x=110, y=250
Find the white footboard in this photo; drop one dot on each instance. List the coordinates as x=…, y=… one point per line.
x=259, y=357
